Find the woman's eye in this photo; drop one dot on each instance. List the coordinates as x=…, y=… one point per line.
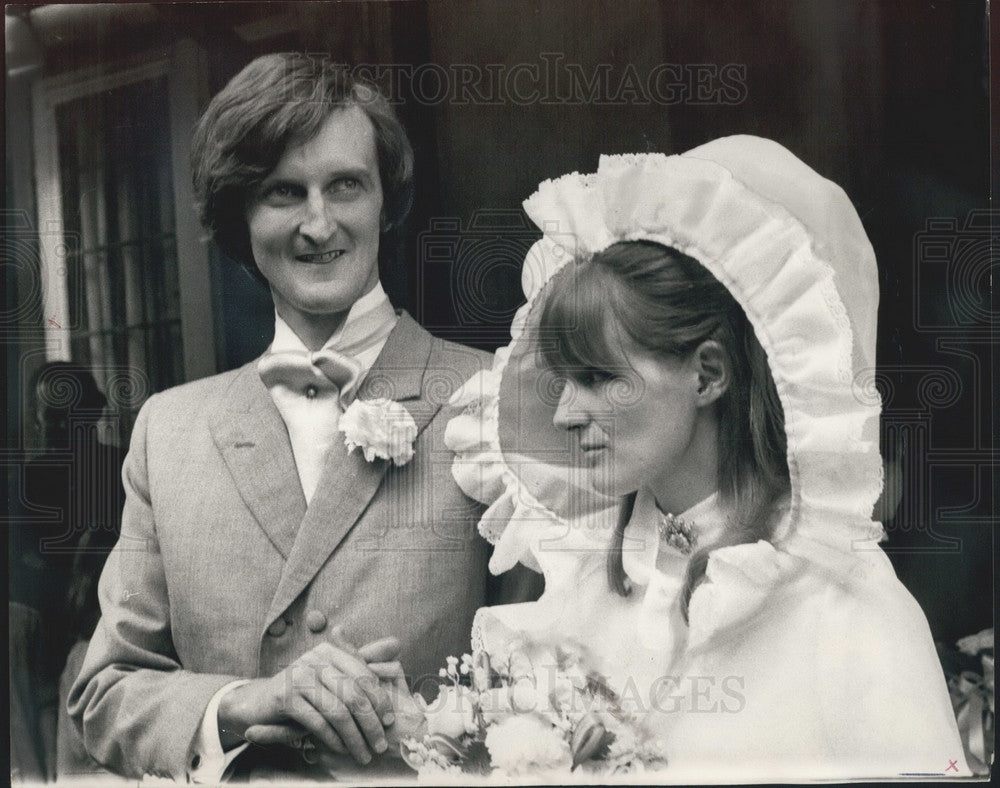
x=558, y=385
x=346, y=185
x=596, y=377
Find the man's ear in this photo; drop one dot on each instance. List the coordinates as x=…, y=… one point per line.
x=714, y=372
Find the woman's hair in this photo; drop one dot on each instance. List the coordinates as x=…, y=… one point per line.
x=276, y=101
x=667, y=303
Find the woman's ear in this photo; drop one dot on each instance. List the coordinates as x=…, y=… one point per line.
x=714, y=374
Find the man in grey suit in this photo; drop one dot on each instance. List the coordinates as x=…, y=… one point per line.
x=270, y=585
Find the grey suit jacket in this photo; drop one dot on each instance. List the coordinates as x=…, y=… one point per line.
x=222, y=571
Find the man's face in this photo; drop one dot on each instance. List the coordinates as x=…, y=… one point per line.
x=314, y=222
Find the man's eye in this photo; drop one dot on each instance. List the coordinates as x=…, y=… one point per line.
x=279, y=193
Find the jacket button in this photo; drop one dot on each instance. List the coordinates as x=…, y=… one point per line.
x=277, y=629
x=316, y=621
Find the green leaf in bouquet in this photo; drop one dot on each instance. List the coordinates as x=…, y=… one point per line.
x=590, y=740
x=477, y=759
x=452, y=749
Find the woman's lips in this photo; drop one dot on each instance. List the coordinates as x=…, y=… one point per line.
x=593, y=456
x=320, y=257
x=592, y=452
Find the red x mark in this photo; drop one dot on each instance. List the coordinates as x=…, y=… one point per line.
x=52, y=321
x=951, y=765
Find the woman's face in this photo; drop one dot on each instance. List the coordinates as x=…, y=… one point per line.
x=315, y=220
x=634, y=426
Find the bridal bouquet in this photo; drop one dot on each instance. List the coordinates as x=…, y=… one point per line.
x=969, y=671
x=535, y=712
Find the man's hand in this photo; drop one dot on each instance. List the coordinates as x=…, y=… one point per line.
x=408, y=708
x=329, y=693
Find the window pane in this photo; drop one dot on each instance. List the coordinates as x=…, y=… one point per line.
x=114, y=154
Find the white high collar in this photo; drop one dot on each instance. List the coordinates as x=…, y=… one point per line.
x=369, y=305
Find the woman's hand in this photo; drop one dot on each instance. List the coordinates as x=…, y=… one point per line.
x=411, y=722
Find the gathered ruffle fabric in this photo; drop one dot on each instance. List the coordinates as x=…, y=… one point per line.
x=832, y=660
x=783, y=274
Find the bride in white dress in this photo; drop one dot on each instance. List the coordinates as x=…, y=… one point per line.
x=683, y=437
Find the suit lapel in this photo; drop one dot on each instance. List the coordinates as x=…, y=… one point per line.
x=348, y=483
x=253, y=440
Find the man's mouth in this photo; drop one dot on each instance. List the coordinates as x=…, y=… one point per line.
x=320, y=257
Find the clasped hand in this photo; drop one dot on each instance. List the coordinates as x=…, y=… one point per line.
x=333, y=700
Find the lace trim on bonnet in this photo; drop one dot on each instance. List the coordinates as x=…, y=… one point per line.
x=787, y=286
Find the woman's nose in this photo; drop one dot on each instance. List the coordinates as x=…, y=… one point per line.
x=319, y=223
x=569, y=411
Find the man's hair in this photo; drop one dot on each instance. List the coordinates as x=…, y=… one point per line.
x=276, y=101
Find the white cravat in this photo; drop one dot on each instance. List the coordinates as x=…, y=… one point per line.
x=311, y=412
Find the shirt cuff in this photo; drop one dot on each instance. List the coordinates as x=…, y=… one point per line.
x=208, y=761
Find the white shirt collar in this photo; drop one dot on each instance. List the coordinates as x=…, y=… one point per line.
x=286, y=339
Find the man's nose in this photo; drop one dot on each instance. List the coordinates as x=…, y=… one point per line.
x=319, y=223
x=570, y=412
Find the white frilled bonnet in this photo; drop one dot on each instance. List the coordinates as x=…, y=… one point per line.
x=790, y=247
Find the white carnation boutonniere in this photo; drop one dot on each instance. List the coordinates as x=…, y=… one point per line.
x=381, y=428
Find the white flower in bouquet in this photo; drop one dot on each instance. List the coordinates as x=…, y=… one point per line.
x=525, y=696
x=380, y=428
x=628, y=754
x=429, y=763
x=479, y=667
x=519, y=664
x=576, y=675
x=974, y=644
x=453, y=712
x=565, y=696
x=524, y=743
x=495, y=704
x=531, y=710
